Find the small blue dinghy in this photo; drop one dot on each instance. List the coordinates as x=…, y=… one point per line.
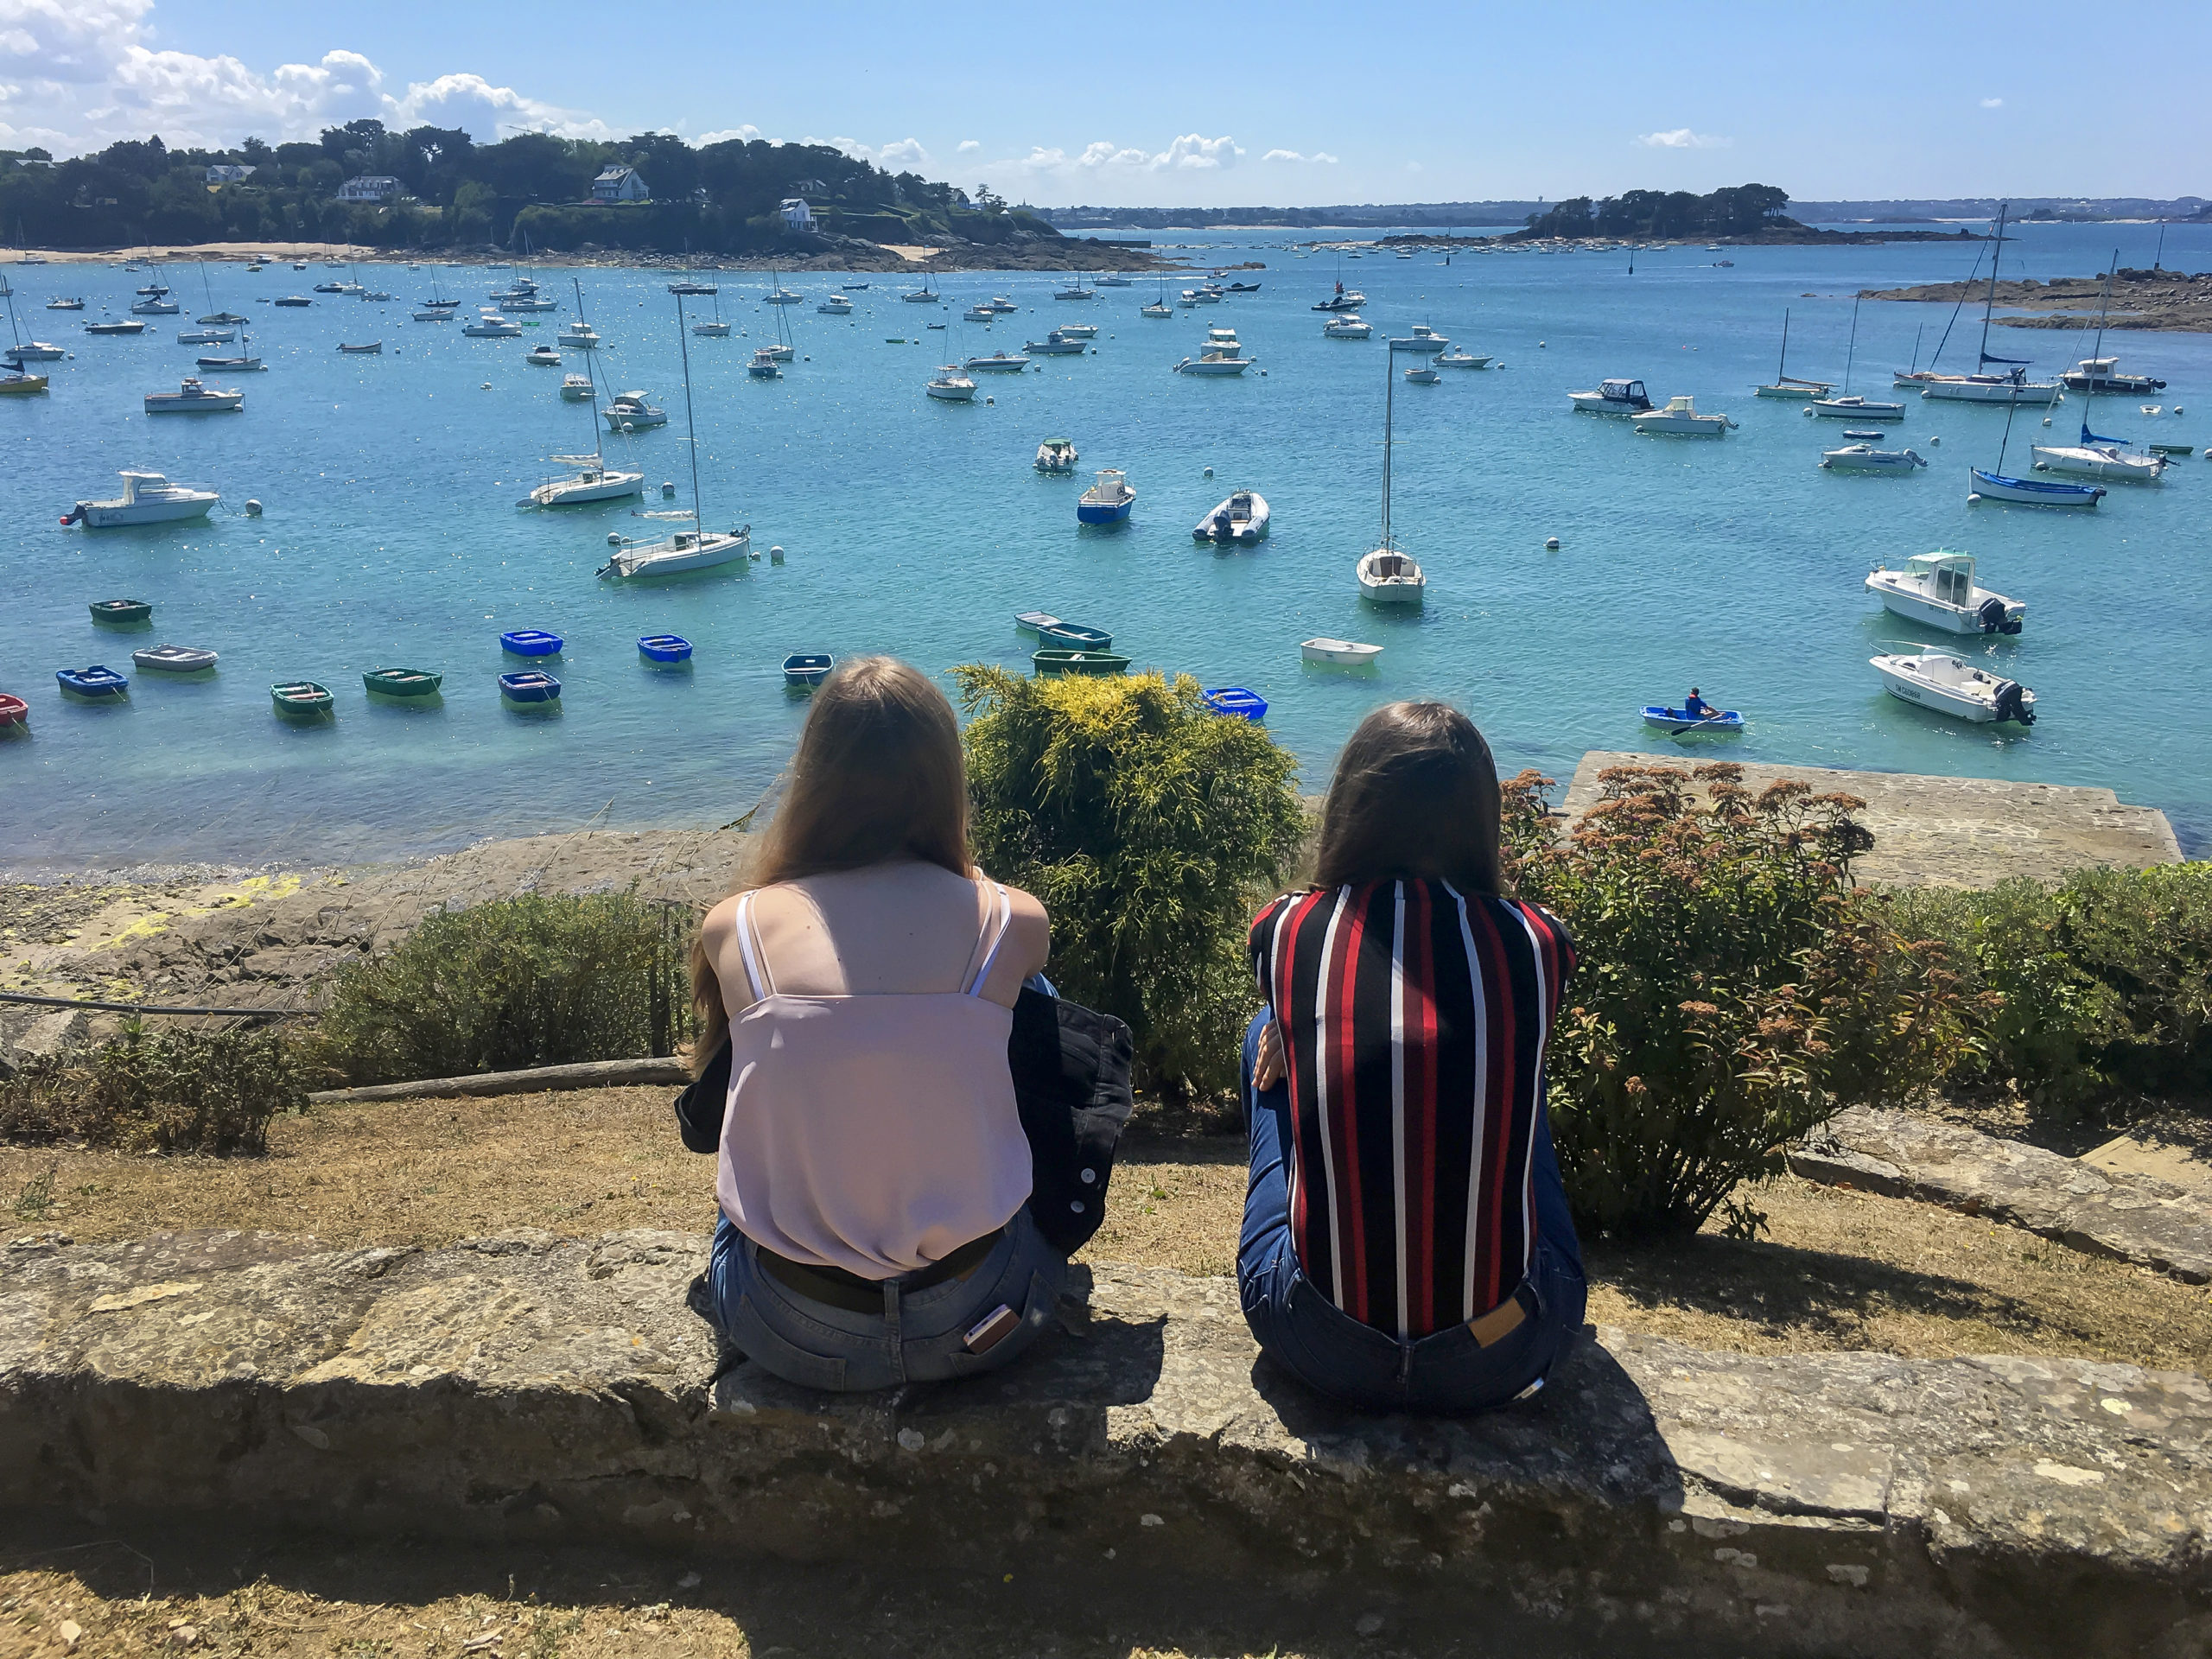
x=1236, y=700
x=664, y=648
x=1073, y=636
x=808, y=668
x=530, y=687
x=1677, y=720
x=95, y=684
x=530, y=642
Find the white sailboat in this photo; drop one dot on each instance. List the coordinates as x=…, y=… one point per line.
x=1983, y=388
x=685, y=551
x=594, y=479
x=1785, y=383
x=2025, y=492
x=1386, y=575
x=2093, y=456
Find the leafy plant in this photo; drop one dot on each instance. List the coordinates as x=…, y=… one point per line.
x=538, y=980
x=174, y=1091
x=1734, y=989
x=1151, y=827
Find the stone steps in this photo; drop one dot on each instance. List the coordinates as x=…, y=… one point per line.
x=536, y=1388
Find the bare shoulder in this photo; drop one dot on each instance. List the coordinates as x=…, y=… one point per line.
x=720, y=922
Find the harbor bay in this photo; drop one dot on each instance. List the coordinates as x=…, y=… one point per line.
x=389, y=534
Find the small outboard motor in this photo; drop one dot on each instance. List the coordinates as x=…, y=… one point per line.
x=2009, y=706
x=1222, y=529
x=1992, y=619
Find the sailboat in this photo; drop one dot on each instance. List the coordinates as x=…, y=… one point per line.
x=245, y=363
x=594, y=479
x=716, y=330
x=685, y=550
x=685, y=283
x=1160, y=307
x=17, y=382
x=1786, y=385
x=1984, y=388
x=2025, y=492
x=214, y=318
x=781, y=352
x=2095, y=456
x=924, y=296
x=1387, y=576
x=1848, y=407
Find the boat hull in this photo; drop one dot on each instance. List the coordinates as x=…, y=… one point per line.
x=2080, y=462
x=668, y=650
x=300, y=699
x=575, y=493
x=1674, y=720
x=1990, y=392
x=708, y=552
x=98, y=515
x=1339, y=653
x=1102, y=512
x=952, y=394
x=1685, y=426
x=2032, y=493
x=1801, y=394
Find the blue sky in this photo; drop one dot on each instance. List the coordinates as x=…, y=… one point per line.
x=1224, y=105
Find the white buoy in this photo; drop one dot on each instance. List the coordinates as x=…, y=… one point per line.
x=667, y=490
x=488, y=385
x=252, y=508
x=1551, y=544
x=614, y=538
x=775, y=555
x=1933, y=441
x=989, y=402
x=1209, y=472
x=2046, y=419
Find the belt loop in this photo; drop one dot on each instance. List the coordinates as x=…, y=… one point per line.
x=1405, y=1360
x=893, y=1338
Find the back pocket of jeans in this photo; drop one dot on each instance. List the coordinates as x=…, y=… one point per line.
x=779, y=1356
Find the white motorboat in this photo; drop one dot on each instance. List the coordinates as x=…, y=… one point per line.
x=151, y=307
x=2099, y=458
x=1223, y=341
x=1680, y=419
x=194, y=398
x=781, y=296
x=1109, y=501
x=576, y=388
x=1854, y=408
x=1187, y=298
x=763, y=365
x=997, y=363
x=1089, y=331
x=979, y=314
x=1110, y=279
x=544, y=357
x=433, y=316
x=1426, y=375
x=116, y=326
x=64, y=304
x=34, y=351
x=1347, y=326
x=490, y=325
x=836, y=306
x=630, y=412
x=1215, y=362
x=1241, y=518
x=580, y=334
x=1461, y=360
x=593, y=480
x=951, y=385
x=2102, y=374
x=147, y=499
x=1423, y=339
x=1939, y=588
x=682, y=553
x=1613, y=397
x=1342, y=654
x=205, y=336
x=1389, y=577
x=1074, y=291
x=1002, y=305
x=1866, y=458
x=1056, y=344
x=1945, y=683
x=1056, y=456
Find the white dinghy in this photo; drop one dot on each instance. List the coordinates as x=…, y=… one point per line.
x=1939, y=588
x=1938, y=681
x=1241, y=518
x=1338, y=653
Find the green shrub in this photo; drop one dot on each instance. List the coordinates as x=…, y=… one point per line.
x=534, y=981
x=176, y=1092
x=1152, y=828
x=1733, y=990
x=2100, y=987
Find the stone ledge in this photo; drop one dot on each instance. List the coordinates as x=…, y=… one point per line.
x=531, y=1387
x=2129, y=1217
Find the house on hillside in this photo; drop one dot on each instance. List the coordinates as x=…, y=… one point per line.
x=619, y=184
x=228, y=172
x=369, y=187
x=798, y=216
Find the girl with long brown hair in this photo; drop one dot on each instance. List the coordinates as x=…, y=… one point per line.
x=1407, y=1243
x=873, y=1176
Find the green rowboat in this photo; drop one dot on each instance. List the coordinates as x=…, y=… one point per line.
x=1079, y=662
x=299, y=699
x=122, y=612
x=414, y=682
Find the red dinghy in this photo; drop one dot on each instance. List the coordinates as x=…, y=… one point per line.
x=14, y=711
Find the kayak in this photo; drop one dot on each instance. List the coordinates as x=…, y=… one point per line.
x=1674, y=720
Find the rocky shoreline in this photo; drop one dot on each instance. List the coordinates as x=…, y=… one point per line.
x=2164, y=302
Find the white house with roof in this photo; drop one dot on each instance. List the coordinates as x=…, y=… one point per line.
x=228, y=172
x=798, y=216
x=619, y=184
x=369, y=187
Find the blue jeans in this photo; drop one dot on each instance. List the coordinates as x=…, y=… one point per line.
x=1331, y=1353
x=919, y=1336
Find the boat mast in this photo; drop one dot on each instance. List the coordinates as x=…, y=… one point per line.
x=1965, y=289
x=1996, y=253
x=1389, y=392
x=1851, y=353
x=2096, y=352
x=690, y=426
x=591, y=403
x=1781, y=362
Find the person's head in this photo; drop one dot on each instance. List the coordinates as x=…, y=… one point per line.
x=878, y=775
x=1415, y=794
x=1695, y=692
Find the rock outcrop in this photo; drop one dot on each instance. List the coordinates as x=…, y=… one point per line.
x=530, y=1388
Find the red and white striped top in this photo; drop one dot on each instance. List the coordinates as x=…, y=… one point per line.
x=1414, y=1019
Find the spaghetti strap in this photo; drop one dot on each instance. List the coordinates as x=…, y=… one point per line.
x=756, y=959
x=998, y=927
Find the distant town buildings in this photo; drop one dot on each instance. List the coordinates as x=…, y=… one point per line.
x=798, y=216
x=230, y=173
x=369, y=187
x=619, y=184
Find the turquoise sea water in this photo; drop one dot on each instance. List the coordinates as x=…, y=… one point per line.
x=919, y=528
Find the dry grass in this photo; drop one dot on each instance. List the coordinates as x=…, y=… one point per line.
x=1837, y=1269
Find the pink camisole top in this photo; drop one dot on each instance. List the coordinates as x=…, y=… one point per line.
x=874, y=1133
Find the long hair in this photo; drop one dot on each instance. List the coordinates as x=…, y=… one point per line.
x=1415, y=794
x=878, y=775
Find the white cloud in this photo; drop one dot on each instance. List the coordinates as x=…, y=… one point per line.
x=1992, y=103
x=1191, y=152
x=80, y=75
x=970, y=146
x=903, y=155
x=745, y=134
x=1322, y=156
x=1682, y=138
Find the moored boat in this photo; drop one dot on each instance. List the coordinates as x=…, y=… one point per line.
x=98, y=683
x=1056, y=344
x=131, y=327
x=407, y=684
x=1239, y=702
x=1214, y=363
x=1347, y=326
x=1854, y=407
x=147, y=499
x=665, y=649
x=1423, y=339
x=576, y=388
x=1866, y=458
x=1948, y=685
x=1939, y=588
x=1389, y=577
x=2102, y=374
x=808, y=668
x=299, y=699
x=1056, y=456
x=121, y=613
x=1108, y=500
x=530, y=642
x=2099, y=458
x=593, y=481
x=683, y=554
x=997, y=363
x=631, y=412
x=530, y=687
x=952, y=386
x=1680, y=419
x=1338, y=653
x=1074, y=636
x=2030, y=492
x=1461, y=359
x=1426, y=375
x=1035, y=621
x=192, y=398
x=1626, y=397
x=174, y=659
x=544, y=357
x=14, y=711
x=1057, y=661
x=1242, y=518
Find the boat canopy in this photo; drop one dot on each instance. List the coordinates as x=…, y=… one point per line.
x=1949, y=575
x=1628, y=389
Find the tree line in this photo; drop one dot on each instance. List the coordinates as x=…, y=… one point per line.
x=457, y=193
x=1738, y=210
